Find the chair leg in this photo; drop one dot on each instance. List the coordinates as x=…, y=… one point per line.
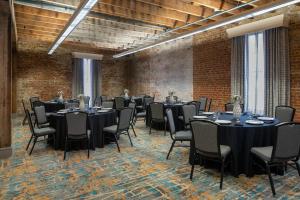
x=170, y=149
x=88, y=147
x=270, y=179
x=116, y=140
x=66, y=145
x=298, y=167
x=193, y=166
x=129, y=138
x=34, y=141
x=133, y=129
x=150, y=127
x=24, y=120
x=165, y=128
x=29, y=142
x=222, y=174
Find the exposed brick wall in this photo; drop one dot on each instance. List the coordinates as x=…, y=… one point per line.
x=211, y=77
x=37, y=73
x=294, y=36
x=161, y=69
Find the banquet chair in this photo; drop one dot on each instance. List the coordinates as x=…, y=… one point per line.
x=147, y=101
x=141, y=107
x=77, y=130
x=284, y=113
x=176, y=136
x=122, y=127
x=286, y=148
x=203, y=102
x=32, y=100
x=38, y=132
x=132, y=118
x=41, y=118
x=189, y=111
x=197, y=105
x=229, y=107
x=98, y=101
x=119, y=103
x=107, y=104
x=157, y=115
x=25, y=117
x=206, y=143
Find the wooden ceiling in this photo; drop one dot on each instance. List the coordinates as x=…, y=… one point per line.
x=119, y=24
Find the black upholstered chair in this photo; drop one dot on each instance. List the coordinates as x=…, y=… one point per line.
x=146, y=103
x=119, y=103
x=77, y=130
x=122, y=127
x=203, y=102
x=98, y=101
x=286, y=148
x=40, y=116
x=157, y=115
x=38, y=132
x=189, y=111
x=285, y=113
x=197, y=104
x=176, y=136
x=132, y=118
x=32, y=100
x=107, y=104
x=206, y=142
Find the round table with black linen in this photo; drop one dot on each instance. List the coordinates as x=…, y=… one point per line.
x=176, y=110
x=96, y=123
x=52, y=107
x=241, y=138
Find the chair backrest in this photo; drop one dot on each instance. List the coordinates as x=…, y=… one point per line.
x=107, y=104
x=29, y=121
x=205, y=137
x=32, y=100
x=209, y=105
x=37, y=104
x=171, y=121
x=86, y=100
x=147, y=101
x=157, y=110
x=132, y=106
x=287, y=142
x=197, y=104
x=124, y=120
x=104, y=98
x=203, y=101
x=188, y=112
x=24, y=107
x=76, y=123
x=284, y=113
x=119, y=103
x=98, y=101
x=40, y=114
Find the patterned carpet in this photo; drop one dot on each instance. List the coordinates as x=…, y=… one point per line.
x=139, y=172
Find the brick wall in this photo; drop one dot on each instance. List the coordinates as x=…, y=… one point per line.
x=38, y=74
x=211, y=77
x=161, y=69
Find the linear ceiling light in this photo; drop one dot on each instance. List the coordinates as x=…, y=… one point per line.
x=76, y=18
x=229, y=20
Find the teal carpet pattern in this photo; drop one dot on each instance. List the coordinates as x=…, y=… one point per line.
x=139, y=172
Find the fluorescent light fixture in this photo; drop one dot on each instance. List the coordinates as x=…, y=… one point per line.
x=76, y=18
x=229, y=20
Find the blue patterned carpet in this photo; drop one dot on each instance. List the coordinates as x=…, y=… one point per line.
x=139, y=172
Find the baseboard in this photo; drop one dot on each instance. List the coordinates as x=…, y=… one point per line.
x=5, y=152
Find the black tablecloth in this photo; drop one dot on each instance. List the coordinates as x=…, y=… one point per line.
x=53, y=106
x=176, y=110
x=241, y=139
x=96, y=123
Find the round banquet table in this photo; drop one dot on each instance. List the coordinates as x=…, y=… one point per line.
x=241, y=138
x=52, y=107
x=96, y=123
x=176, y=110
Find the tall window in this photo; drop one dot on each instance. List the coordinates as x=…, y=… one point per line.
x=255, y=73
x=87, y=78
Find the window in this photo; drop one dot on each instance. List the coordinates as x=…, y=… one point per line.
x=87, y=78
x=254, y=73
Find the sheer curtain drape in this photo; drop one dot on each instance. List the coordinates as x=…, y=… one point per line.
x=277, y=69
x=77, y=82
